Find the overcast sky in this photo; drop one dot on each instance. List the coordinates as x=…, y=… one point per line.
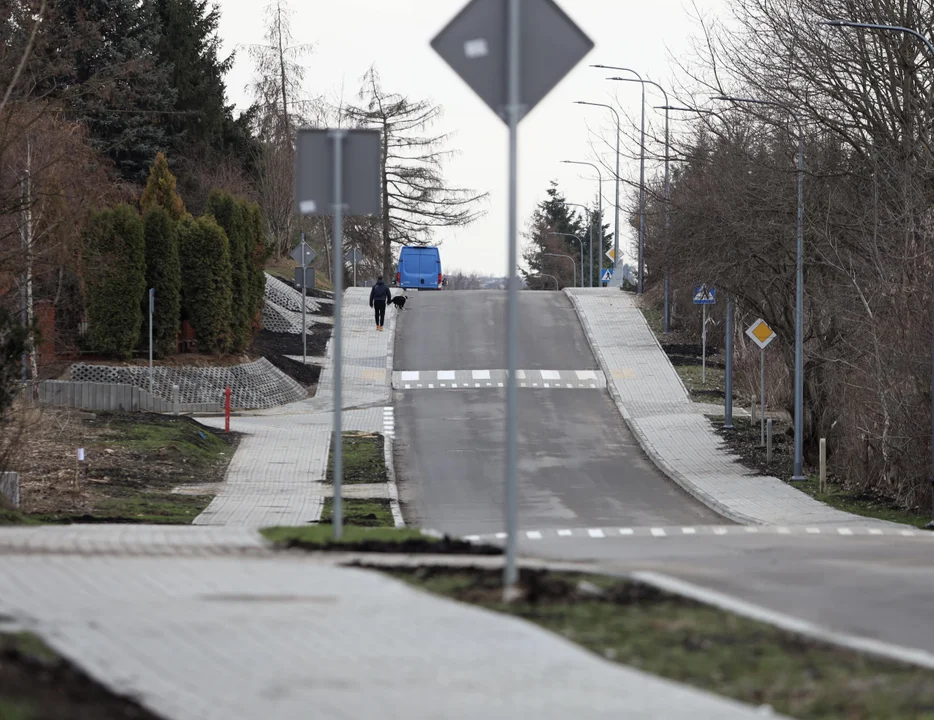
x=351, y=35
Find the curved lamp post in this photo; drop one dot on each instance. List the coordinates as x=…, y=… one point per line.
x=590, y=222
x=558, y=255
x=799, y=290
x=618, y=132
x=572, y=235
x=599, y=211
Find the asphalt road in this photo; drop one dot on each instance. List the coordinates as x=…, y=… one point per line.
x=880, y=588
x=579, y=465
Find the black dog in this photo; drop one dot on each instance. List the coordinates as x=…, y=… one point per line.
x=399, y=301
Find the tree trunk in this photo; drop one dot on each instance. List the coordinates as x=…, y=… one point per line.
x=387, y=241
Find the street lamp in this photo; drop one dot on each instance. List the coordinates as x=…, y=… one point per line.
x=572, y=235
x=590, y=222
x=930, y=48
x=573, y=264
x=667, y=196
x=641, y=171
x=618, y=132
x=600, y=210
x=799, y=290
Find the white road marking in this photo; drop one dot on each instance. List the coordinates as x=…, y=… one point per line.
x=688, y=531
x=784, y=531
x=534, y=535
x=551, y=375
x=596, y=533
x=520, y=374
x=720, y=531
x=586, y=375
x=471, y=538
x=500, y=536
x=626, y=531
x=907, y=533
x=453, y=385
x=875, y=531
x=545, y=385
x=446, y=375
x=407, y=387
x=814, y=531
x=481, y=374
x=844, y=531
x=752, y=529
x=409, y=375
x=431, y=386
x=659, y=532
x=476, y=385
x=565, y=533
x=500, y=385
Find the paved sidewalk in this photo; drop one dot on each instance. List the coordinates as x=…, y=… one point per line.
x=277, y=474
x=676, y=437
x=286, y=637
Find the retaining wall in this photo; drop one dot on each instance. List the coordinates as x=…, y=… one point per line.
x=116, y=397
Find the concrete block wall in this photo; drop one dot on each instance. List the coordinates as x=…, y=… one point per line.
x=116, y=397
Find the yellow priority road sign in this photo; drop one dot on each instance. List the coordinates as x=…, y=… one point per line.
x=760, y=333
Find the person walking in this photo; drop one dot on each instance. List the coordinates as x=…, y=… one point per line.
x=379, y=297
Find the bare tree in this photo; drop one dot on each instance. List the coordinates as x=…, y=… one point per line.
x=416, y=199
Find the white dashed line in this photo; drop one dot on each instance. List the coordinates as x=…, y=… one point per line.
x=784, y=531
x=410, y=376
x=551, y=375
x=658, y=532
x=596, y=533
x=875, y=531
x=565, y=533
x=481, y=374
x=720, y=531
x=844, y=531
x=907, y=533
x=626, y=531
x=689, y=531
x=813, y=531
x=752, y=530
x=534, y=535
x=446, y=375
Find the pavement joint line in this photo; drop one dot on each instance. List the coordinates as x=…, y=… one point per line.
x=878, y=648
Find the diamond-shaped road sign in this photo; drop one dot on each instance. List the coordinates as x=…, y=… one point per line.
x=474, y=44
x=354, y=256
x=309, y=253
x=611, y=254
x=760, y=333
x=314, y=175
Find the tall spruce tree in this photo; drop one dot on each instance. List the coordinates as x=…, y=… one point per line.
x=108, y=76
x=232, y=216
x=553, y=216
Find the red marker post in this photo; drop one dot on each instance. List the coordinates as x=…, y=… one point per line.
x=227, y=410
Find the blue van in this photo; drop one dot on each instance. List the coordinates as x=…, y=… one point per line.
x=419, y=269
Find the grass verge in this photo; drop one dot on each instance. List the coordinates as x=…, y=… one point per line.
x=707, y=648
x=138, y=468
x=36, y=683
x=744, y=441
x=371, y=539
x=360, y=513
x=364, y=461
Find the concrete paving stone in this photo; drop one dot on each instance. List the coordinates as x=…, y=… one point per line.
x=284, y=637
x=277, y=474
x=680, y=440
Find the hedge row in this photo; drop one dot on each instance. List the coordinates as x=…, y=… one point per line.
x=206, y=270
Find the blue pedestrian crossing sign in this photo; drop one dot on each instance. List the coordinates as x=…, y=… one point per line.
x=704, y=295
x=607, y=275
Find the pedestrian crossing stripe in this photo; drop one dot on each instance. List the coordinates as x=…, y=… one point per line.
x=494, y=379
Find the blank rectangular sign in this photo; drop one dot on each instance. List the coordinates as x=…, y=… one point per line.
x=314, y=173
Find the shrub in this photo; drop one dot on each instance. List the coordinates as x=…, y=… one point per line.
x=160, y=190
x=204, y=252
x=163, y=273
x=258, y=251
x=115, y=277
x=230, y=214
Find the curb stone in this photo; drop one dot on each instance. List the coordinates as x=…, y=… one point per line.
x=683, y=482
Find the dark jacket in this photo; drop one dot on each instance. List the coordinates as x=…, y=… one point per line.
x=380, y=293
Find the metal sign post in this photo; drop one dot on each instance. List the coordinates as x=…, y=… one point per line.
x=761, y=334
x=704, y=296
x=354, y=257
x=512, y=53
x=303, y=255
x=152, y=310
x=338, y=172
